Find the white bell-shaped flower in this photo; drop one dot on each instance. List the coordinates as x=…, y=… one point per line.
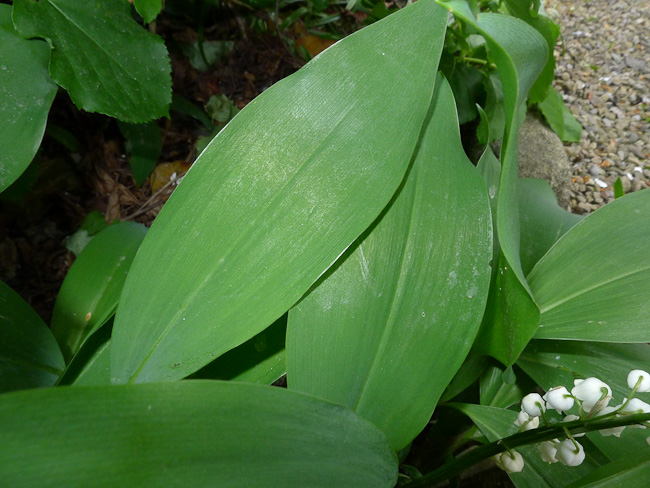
x=615, y=431
x=590, y=392
x=510, y=462
x=570, y=453
x=547, y=451
x=636, y=406
x=533, y=404
x=633, y=379
x=559, y=398
x=526, y=421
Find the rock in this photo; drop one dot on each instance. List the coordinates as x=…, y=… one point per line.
x=542, y=155
x=636, y=63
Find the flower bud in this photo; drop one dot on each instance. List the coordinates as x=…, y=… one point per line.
x=510, y=462
x=547, y=451
x=633, y=379
x=533, y=405
x=590, y=392
x=559, y=399
x=568, y=454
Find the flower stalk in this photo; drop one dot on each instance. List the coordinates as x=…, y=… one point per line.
x=535, y=436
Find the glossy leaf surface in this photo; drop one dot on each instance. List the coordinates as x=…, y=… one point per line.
x=585, y=291
x=27, y=92
x=29, y=355
x=101, y=56
x=520, y=53
x=190, y=433
x=387, y=330
x=92, y=287
x=277, y=197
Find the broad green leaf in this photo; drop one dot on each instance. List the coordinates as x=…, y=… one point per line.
x=624, y=473
x=148, y=9
x=144, y=145
x=387, y=330
x=26, y=93
x=559, y=117
x=586, y=291
x=527, y=11
x=555, y=363
x=520, y=53
x=91, y=290
x=29, y=355
x=277, y=197
x=542, y=220
x=101, y=56
x=190, y=433
x=497, y=423
x=261, y=359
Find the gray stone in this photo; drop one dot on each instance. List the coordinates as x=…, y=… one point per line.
x=542, y=155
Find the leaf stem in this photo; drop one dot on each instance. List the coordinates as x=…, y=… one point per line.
x=535, y=436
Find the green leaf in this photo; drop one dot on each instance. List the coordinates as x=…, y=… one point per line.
x=277, y=197
x=386, y=331
x=618, y=188
x=29, y=355
x=26, y=94
x=144, y=145
x=541, y=219
x=213, y=51
x=101, y=56
x=588, y=292
x=558, y=116
x=91, y=365
x=500, y=387
x=261, y=359
x=92, y=287
x=184, y=106
x=467, y=83
x=190, y=433
x=550, y=31
x=625, y=472
x=520, y=53
x=148, y=9
x=497, y=423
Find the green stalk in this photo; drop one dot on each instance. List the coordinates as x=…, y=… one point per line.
x=459, y=465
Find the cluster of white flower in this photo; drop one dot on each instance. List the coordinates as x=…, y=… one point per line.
x=592, y=397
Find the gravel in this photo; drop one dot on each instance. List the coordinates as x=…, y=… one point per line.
x=603, y=74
